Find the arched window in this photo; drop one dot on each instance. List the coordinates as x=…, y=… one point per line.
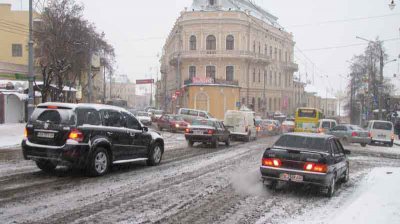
x=210, y=71
x=230, y=42
x=211, y=2
x=211, y=43
x=193, y=43
x=229, y=73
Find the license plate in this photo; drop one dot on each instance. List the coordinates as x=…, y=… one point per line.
x=45, y=135
x=198, y=132
x=294, y=178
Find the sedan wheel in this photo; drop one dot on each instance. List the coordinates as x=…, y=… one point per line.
x=331, y=188
x=346, y=178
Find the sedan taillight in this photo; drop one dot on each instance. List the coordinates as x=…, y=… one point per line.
x=316, y=167
x=271, y=162
x=25, y=133
x=354, y=134
x=210, y=132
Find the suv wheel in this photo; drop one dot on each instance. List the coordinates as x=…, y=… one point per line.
x=99, y=162
x=46, y=165
x=155, y=155
x=363, y=145
x=228, y=142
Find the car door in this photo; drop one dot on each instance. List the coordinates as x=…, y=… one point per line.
x=162, y=122
x=226, y=132
x=139, y=139
x=339, y=157
x=337, y=131
x=114, y=128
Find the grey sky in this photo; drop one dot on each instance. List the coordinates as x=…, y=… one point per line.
x=138, y=29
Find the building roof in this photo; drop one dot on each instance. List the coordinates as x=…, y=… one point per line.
x=236, y=5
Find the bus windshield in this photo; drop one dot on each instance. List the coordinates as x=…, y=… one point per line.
x=308, y=113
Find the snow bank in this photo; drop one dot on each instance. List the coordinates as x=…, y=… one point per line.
x=11, y=134
x=376, y=201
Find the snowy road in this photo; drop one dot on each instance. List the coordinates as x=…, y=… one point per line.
x=192, y=185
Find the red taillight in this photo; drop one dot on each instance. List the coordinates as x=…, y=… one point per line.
x=52, y=107
x=369, y=135
x=187, y=130
x=210, y=132
x=76, y=135
x=271, y=162
x=316, y=167
x=354, y=134
x=25, y=133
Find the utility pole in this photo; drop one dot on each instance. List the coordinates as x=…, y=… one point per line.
x=380, y=88
x=90, y=75
x=104, y=82
x=31, y=73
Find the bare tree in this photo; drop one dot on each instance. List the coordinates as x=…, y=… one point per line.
x=64, y=41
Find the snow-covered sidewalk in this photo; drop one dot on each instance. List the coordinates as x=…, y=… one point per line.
x=11, y=135
x=375, y=201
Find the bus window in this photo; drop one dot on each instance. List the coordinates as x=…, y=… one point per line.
x=308, y=113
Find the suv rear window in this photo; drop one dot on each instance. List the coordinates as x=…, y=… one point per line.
x=60, y=116
x=382, y=126
x=302, y=142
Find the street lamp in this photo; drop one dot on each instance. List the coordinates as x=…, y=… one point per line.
x=392, y=5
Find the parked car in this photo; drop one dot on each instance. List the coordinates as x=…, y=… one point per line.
x=241, y=124
x=288, y=126
x=189, y=115
x=324, y=125
x=88, y=136
x=307, y=159
x=144, y=118
x=172, y=123
x=381, y=132
x=347, y=134
x=207, y=131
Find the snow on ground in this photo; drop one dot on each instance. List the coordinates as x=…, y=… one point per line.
x=11, y=134
x=375, y=200
x=374, y=149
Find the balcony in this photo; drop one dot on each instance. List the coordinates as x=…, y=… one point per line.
x=210, y=81
x=290, y=66
x=229, y=54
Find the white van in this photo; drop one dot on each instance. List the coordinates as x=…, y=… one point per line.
x=381, y=132
x=241, y=124
x=189, y=115
x=324, y=125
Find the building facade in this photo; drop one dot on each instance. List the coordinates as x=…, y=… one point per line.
x=230, y=43
x=14, y=28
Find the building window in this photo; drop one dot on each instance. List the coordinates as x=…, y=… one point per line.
x=211, y=43
x=286, y=57
x=259, y=75
x=254, y=75
x=230, y=42
x=275, y=79
x=270, y=78
x=17, y=50
x=193, y=43
x=243, y=101
x=254, y=46
x=192, y=72
x=259, y=47
x=259, y=103
x=270, y=51
x=229, y=73
x=210, y=71
x=265, y=77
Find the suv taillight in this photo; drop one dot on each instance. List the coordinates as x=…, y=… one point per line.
x=25, y=133
x=271, y=162
x=316, y=167
x=76, y=135
x=210, y=132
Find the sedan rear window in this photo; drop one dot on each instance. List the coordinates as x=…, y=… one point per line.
x=326, y=124
x=302, y=142
x=382, y=126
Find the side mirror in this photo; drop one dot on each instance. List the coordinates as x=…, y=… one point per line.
x=145, y=129
x=347, y=152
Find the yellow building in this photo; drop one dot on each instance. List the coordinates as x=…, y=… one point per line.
x=234, y=43
x=212, y=98
x=14, y=28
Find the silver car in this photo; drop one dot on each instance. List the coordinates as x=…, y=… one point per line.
x=348, y=133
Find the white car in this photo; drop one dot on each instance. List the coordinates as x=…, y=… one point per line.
x=381, y=132
x=144, y=117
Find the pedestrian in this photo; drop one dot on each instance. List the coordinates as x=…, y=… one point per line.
x=397, y=128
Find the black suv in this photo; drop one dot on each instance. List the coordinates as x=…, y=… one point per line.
x=88, y=136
